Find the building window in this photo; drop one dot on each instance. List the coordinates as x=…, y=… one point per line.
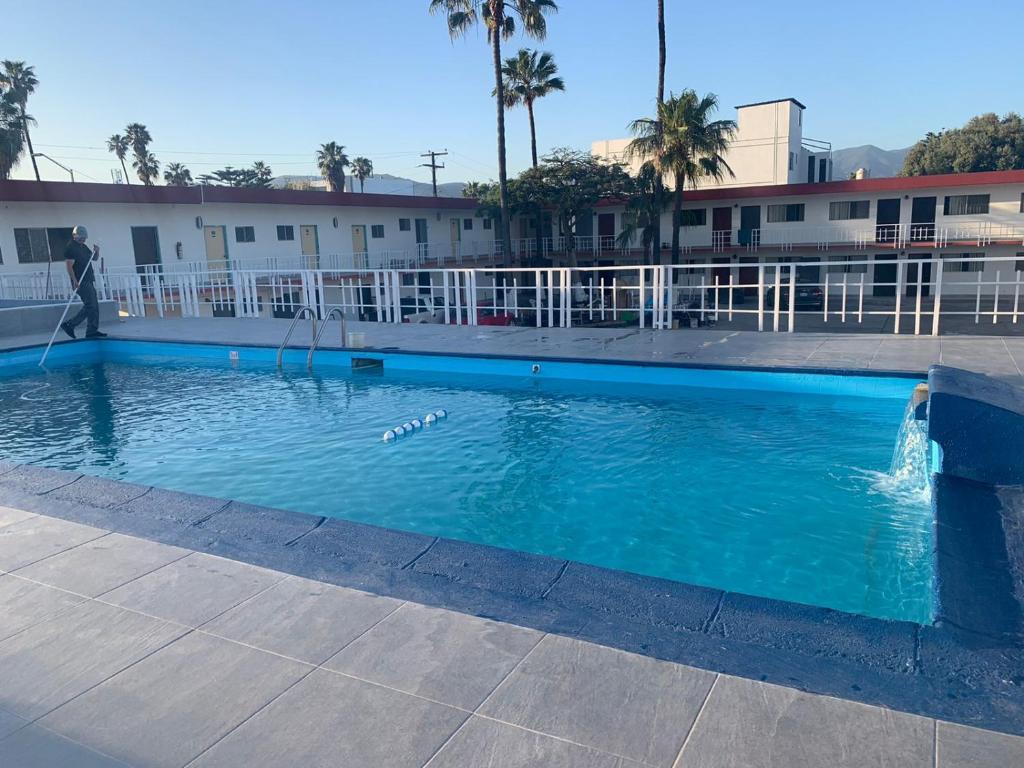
x=404, y=225
x=1022, y=202
x=847, y=269
x=956, y=263
x=376, y=231
x=487, y=224
x=31, y=245
x=245, y=234
x=285, y=232
x=965, y=205
x=788, y=212
x=1019, y=265
x=792, y=160
x=467, y=223
x=849, y=209
x=694, y=217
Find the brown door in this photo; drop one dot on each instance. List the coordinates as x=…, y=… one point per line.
x=748, y=275
x=721, y=226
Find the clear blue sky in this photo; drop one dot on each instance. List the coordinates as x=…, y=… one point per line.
x=223, y=82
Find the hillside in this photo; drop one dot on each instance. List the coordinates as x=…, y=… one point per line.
x=879, y=162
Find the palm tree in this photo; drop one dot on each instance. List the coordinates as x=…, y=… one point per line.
x=146, y=167
x=331, y=160
x=643, y=212
x=177, y=175
x=119, y=146
x=529, y=76
x=683, y=142
x=362, y=169
x=20, y=81
x=499, y=18
x=12, y=137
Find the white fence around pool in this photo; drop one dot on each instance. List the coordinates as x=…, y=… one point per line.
x=914, y=295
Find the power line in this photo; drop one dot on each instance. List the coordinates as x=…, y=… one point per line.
x=387, y=154
x=433, y=166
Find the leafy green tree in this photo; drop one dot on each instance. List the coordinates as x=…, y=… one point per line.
x=499, y=17
x=571, y=183
x=258, y=176
x=20, y=81
x=986, y=143
x=528, y=76
x=177, y=175
x=682, y=141
x=119, y=145
x=331, y=160
x=12, y=137
x=647, y=202
x=362, y=169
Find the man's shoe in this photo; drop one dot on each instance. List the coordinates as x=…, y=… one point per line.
x=95, y=335
x=68, y=329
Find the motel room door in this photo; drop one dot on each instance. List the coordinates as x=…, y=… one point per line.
x=926, y=275
x=146, y=246
x=606, y=231
x=359, y=255
x=310, y=244
x=216, y=241
x=721, y=226
x=455, y=233
x=922, y=219
x=748, y=275
x=885, y=275
x=887, y=217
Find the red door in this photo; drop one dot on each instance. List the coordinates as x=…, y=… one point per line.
x=721, y=227
x=606, y=230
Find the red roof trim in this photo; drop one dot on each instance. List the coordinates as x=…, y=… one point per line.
x=67, y=192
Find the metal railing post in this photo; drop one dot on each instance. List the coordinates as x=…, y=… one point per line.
x=792, y=298
x=760, y=297
x=937, y=305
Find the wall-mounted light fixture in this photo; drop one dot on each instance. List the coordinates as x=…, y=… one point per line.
x=199, y=222
x=334, y=221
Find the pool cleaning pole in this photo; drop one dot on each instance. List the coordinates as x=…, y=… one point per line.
x=64, y=314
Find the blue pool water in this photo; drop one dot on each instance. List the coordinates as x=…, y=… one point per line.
x=777, y=490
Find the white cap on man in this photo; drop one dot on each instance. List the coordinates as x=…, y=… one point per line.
x=80, y=231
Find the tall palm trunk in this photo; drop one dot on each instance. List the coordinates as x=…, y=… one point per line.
x=677, y=218
x=125, y=169
x=533, y=131
x=661, y=50
x=28, y=140
x=361, y=190
x=499, y=93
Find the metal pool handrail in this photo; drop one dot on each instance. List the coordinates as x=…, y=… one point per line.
x=298, y=316
x=316, y=339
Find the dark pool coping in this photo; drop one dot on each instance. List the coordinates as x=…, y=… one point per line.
x=937, y=671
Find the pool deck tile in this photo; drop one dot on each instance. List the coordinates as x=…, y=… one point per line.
x=166, y=709
x=627, y=705
x=345, y=542
x=9, y=723
x=193, y=590
x=54, y=661
x=958, y=746
x=250, y=525
x=793, y=626
x=38, y=747
x=26, y=603
x=440, y=655
x=483, y=742
x=500, y=570
x=330, y=720
x=102, y=565
x=40, y=537
x=172, y=506
x=303, y=619
x=747, y=724
x=9, y=516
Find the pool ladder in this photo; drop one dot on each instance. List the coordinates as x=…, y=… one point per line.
x=316, y=335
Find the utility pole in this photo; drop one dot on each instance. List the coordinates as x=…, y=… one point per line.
x=433, y=166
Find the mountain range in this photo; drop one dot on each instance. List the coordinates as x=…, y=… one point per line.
x=878, y=162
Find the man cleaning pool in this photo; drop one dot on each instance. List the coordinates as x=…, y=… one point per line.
x=78, y=260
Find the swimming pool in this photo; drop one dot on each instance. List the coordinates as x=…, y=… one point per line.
x=770, y=484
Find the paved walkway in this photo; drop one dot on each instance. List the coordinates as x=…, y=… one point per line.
x=1002, y=357
x=116, y=650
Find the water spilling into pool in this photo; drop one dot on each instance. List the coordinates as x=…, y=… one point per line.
x=770, y=493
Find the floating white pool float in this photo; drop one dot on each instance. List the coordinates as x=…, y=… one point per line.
x=399, y=431
x=429, y=419
x=441, y=413
x=389, y=436
x=416, y=424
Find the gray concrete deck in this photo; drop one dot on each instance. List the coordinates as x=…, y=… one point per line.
x=1002, y=357
x=120, y=651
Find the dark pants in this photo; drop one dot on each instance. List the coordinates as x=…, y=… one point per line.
x=90, y=310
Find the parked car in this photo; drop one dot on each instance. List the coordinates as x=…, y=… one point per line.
x=807, y=297
x=418, y=310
